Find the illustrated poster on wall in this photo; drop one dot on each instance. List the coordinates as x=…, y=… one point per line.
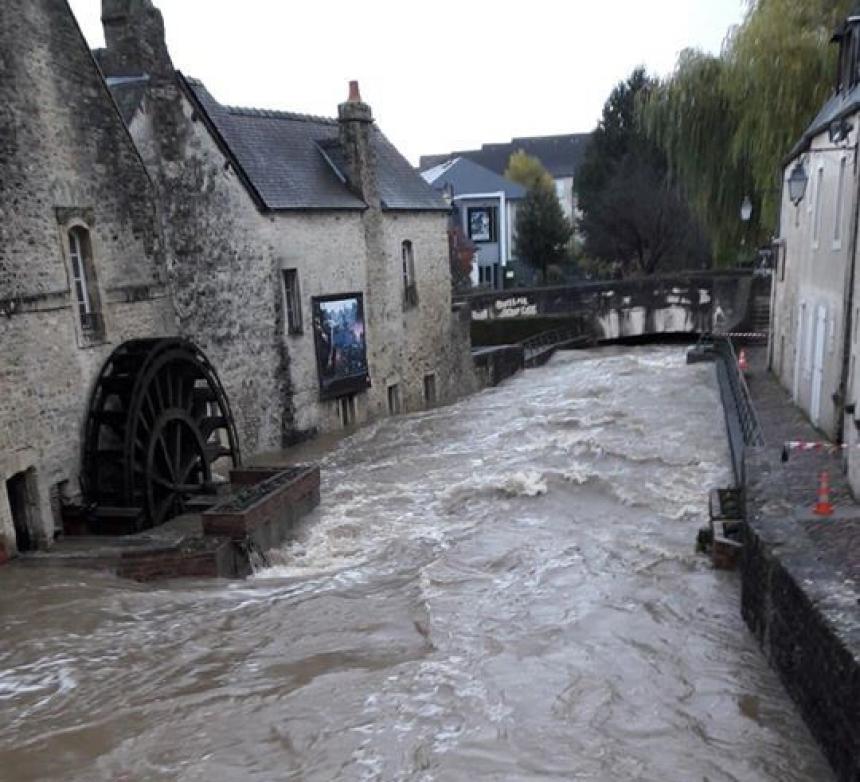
x=341, y=346
x=480, y=227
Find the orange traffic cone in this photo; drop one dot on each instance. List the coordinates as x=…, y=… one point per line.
x=823, y=507
x=742, y=361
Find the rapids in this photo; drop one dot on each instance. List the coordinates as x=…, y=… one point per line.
x=501, y=589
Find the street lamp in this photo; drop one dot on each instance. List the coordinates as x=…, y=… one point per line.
x=746, y=209
x=797, y=182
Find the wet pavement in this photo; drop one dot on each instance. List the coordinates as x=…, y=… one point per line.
x=502, y=589
x=786, y=491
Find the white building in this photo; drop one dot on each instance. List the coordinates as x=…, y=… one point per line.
x=815, y=297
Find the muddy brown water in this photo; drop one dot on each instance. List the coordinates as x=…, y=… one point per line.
x=503, y=589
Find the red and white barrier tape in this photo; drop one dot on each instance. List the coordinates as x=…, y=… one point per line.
x=811, y=447
x=801, y=445
x=745, y=335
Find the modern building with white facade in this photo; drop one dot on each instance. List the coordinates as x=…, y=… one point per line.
x=485, y=205
x=560, y=155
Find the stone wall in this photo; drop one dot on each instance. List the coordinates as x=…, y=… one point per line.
x=66, y=159
x=802, y=611
x=226, y=260
x=227, y=253
x=222, y=266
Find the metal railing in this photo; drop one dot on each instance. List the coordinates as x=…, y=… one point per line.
x=742, y=424
x=535, y=348
x=750, y=426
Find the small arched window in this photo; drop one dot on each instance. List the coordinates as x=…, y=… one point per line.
x=410, y=289
x=84, y=281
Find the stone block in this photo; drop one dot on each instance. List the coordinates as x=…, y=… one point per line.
x=725, y=553
x=248, y=476
x=266, y=508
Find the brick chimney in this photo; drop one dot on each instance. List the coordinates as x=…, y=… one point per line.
x=355, y=121
x=134, y=37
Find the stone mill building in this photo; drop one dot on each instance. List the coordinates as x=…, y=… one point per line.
x=303, y=255
x=81, y=257
x=309, y=259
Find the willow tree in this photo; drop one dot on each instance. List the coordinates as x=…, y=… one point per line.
x=693, y=120
x=728, y=122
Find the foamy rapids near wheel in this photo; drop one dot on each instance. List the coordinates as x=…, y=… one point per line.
x=158, y=421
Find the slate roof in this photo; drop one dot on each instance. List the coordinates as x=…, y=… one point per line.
x=840, y=104
x=294, y=161
x=466, y=176
x=560, y=155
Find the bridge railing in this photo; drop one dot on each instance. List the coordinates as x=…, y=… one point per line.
x=535, y=349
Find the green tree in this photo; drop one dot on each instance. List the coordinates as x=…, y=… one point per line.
x=543, y=232
x=634, y=219
x=726, y=123
x=528, y=171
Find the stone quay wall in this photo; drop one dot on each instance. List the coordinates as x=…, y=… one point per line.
x=800, y=573
x=798, y=609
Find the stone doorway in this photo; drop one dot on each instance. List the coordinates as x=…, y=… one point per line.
x=21, y=491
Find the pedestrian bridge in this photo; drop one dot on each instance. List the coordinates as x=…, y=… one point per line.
x=685, y=303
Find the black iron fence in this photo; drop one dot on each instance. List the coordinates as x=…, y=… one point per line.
x=742, y=423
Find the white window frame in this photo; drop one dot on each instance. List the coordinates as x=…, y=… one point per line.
x=840, y=203
x=395, y=405
x=430, y=390
x=410, y=287
x=346, y=410
x=292, y=292
x=80, y=284
x=819, y=206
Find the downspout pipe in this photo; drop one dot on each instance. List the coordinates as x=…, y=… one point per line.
x=848, y=303
x=777, y=244
x=503, y=235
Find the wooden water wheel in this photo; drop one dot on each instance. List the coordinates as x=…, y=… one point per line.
x=158, y=421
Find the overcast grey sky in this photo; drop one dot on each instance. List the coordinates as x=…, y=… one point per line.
x=440, y=75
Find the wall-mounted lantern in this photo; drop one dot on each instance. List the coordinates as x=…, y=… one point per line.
x=797, y=182
x=746, y=209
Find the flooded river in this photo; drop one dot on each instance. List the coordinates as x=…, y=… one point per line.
x=503, y=589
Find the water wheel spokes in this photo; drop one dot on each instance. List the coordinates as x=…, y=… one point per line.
x=158, y=421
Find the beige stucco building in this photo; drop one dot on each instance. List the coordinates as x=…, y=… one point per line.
x=814, y=339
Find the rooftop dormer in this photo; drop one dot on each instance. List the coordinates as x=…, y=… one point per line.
x=848, y=38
